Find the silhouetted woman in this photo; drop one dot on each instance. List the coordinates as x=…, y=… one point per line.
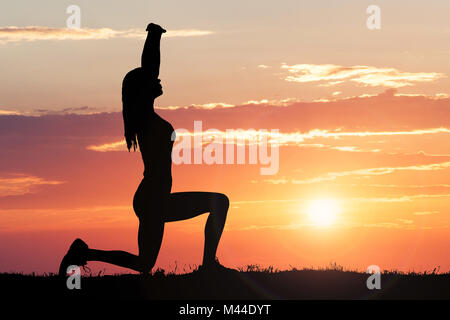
x=153, y=202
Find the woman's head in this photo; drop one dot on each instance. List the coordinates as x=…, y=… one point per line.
x=139, y=88
x=138, y=93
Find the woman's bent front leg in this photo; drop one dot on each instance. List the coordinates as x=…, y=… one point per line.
x=186, y=205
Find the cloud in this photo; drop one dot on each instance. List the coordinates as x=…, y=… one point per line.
x=399, y=186
x=73, y=110
x=187, y=33
x=424, y=213
x=8, y=112
x=65, y=211
x=34, y=33
x=330, y=74
x=350, y=199
x=330, y=176
x=19, y=184
x=84, y=110
x=435, y=96
x=401, y=198
x=106, y=147
x=212, y=105
x=405, y=221
x=290, y=226
x=380, y=115
x=252, y=136
x=401, y=224
x=388, y=225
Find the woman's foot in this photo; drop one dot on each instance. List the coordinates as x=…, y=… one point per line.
x=214, y=267
x=155, y=28
x=75, y=256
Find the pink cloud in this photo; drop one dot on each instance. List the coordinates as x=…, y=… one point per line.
x=331, y=74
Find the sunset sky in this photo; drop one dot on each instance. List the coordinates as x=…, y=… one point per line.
x=363, y=118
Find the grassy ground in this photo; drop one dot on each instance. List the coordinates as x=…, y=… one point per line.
x=249, y=283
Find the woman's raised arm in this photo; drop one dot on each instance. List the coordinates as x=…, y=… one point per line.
x=151, y=55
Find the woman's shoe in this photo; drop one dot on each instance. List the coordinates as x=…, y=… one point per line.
x=215, y=267
x=155, y=28
x=75, y=256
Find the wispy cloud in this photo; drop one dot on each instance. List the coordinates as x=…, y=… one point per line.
x=350, y=200
x=187, y=33
x=85, y=110
x=218, y=105
x=34, y=33
x=206, y=106
x=59, y=211
x=388, y=225
x=8, y=112
x=330, y=176
x=398, y=186
x=280, y=138
x=436, y=96
x=399, y=224
x=424, y=213
x=19, y=184
x=330, y=74
x=106, y=147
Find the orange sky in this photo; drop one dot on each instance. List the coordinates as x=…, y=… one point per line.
x=383, y=159
x=363, y=120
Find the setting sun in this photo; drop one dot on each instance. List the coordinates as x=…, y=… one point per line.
x=323, y=212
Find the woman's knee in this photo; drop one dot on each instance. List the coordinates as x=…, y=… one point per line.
x=139, y=206
x=222, y=201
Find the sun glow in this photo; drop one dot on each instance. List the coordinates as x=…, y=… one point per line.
x=323, y=212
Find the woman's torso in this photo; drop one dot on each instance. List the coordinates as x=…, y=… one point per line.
x=155, y=143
